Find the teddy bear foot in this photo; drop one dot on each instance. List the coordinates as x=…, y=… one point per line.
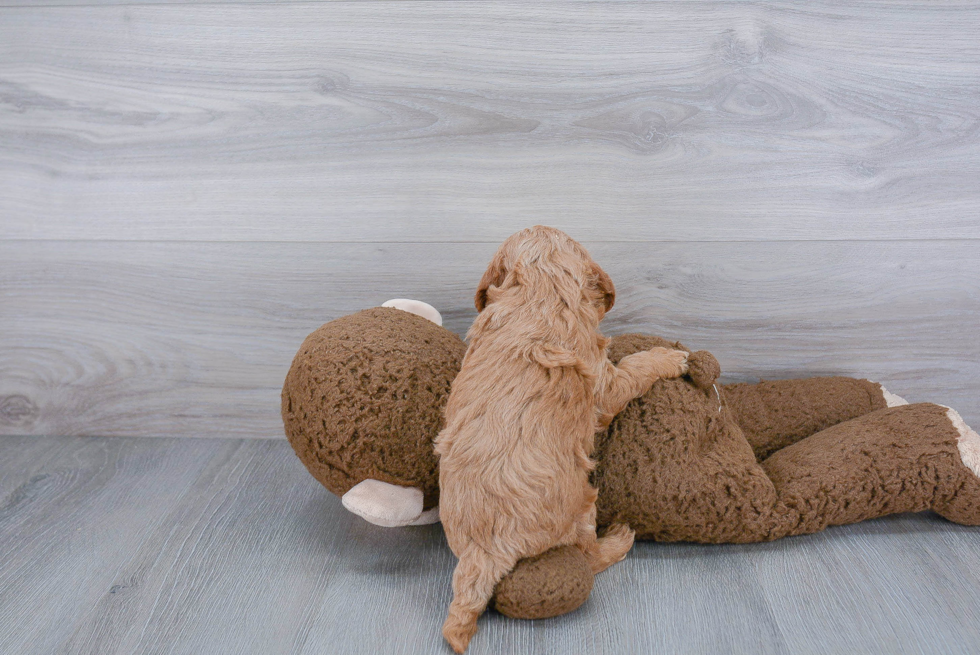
x=964, y=506
x=968, y=443
x=891, y=399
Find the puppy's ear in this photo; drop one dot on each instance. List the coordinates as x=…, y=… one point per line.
x=494, y=276
x=605, y=286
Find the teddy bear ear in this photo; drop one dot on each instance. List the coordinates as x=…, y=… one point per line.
x=417, y=307
x=388, y=505
x=493, y=276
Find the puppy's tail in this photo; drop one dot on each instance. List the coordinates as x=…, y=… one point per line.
x=474, y=579
x=552, y=356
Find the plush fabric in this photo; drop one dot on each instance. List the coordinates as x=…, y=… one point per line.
x=690, y=460
x=684, y=463
x=363, y=399
x=773, y=415
x=553, y=583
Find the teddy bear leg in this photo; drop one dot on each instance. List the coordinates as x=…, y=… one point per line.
x=776, y=414
x=900, y=459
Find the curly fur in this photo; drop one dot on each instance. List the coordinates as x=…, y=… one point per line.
x=534, y=387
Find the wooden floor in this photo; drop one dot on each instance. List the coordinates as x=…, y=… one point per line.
x=116, y=545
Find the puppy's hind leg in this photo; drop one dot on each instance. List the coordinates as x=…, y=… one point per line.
x=474, y=579
x=602, y=552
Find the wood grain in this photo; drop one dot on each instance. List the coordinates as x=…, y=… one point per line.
x=465, y=121
x=890, y=576
x=228, y=546
x=192, y=339
x=74, y=513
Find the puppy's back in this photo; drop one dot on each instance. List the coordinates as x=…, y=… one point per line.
x=513, y=455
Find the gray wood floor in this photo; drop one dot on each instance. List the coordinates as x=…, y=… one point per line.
x=117, y=545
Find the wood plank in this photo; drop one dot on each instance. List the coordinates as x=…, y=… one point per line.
x=895, y=577
x=233, y=569
x=191, y=339
x=229, y=546
x=72, y=516
x=462, y=121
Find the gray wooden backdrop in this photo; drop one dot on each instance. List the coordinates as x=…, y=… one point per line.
x=189, y=188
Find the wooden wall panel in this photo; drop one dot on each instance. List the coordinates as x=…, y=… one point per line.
x=194, y=339
x=186, y=190
x=465, y=121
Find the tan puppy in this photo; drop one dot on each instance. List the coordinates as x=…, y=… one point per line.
x=534, y=387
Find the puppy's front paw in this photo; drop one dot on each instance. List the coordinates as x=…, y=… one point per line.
x=683, y=366
x=676, y=363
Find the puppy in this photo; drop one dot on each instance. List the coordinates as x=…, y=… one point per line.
x=534, y=387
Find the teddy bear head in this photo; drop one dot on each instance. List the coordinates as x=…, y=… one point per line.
x=362, y=403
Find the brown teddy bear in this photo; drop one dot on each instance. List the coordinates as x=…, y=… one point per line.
x=691, y=460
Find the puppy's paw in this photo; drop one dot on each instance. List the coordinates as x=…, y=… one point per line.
x=683, y=366
x=619, y=538
x=675, y=363
x=610, y=548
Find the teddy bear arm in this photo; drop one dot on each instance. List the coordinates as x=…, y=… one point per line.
x=776, y=414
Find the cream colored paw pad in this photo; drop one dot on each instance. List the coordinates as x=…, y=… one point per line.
x=968, y=442
x=891, y=399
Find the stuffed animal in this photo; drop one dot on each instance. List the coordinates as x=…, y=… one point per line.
x=691, y=460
